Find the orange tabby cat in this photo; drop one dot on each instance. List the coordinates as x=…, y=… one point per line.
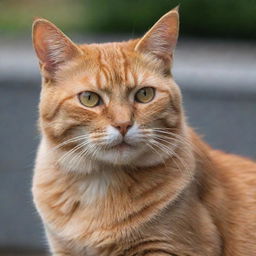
x=119, y=172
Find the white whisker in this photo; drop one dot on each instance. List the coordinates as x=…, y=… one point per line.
x=167, y=150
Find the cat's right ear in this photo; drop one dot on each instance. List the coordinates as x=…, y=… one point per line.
x=160, y=41
x=52, y=46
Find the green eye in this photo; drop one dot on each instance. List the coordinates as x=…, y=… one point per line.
x=89, y=99
x=145, y=95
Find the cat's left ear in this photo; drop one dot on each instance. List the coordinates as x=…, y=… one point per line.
x=161, y=39
x=52, y=46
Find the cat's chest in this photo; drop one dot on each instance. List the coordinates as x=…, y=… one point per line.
x=151, y=247
x=89, y=251
x=93, y=188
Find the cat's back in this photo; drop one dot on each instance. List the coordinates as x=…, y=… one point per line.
x=235, y=172
x=230, y=193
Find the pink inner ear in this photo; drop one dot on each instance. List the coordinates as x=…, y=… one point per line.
x=161, y=39
x=41, y=44
x=51, y=45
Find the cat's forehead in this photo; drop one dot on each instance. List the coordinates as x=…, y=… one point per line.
x=111, y=67
x=113, y=64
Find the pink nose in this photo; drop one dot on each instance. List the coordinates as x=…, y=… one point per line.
x=123, y=127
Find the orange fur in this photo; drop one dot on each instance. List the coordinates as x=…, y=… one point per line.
x=160, y=190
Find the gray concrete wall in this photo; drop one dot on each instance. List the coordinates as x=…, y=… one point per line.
x=221, y=108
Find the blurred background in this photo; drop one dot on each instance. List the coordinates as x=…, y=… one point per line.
x=215, y=66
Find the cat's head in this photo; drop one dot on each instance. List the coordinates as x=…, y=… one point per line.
x=113, y=103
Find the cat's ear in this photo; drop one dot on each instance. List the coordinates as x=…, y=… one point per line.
x=51, y=45
x=161, y=39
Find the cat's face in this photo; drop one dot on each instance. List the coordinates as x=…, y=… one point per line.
x=112, y=103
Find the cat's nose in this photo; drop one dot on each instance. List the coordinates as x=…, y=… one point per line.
x=123, y=127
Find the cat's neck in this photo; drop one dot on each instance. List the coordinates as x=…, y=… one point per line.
x=98, y=177
x=111, y=195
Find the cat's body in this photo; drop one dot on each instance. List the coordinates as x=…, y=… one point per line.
x=154, y=187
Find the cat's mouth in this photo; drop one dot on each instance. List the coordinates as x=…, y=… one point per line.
x=121, y=146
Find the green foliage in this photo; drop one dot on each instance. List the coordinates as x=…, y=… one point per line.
x=218, y=18
x=131, y=16
x=215, y=18
x=221, y=18
x=17, y=15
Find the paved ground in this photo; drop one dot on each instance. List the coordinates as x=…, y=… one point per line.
x=22, y=254
x=25, y=254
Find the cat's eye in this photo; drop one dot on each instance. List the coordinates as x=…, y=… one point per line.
x=89, y=99
x=145, y=94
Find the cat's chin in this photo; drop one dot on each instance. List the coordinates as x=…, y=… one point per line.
x=121, y=154
x=131, y=156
